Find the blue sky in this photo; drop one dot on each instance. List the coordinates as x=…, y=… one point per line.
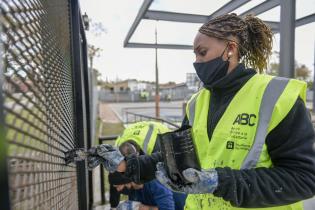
x=118, y=15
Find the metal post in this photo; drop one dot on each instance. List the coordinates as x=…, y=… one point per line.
x=127, y=116
x=103, y=201
x=314, y=82
x=79, y=104
x=184, y=109
x=287, y=37
x=4, y=179
x=157, y=88
x=87, y=79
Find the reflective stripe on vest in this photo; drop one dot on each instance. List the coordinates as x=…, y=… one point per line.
x=271, y=95
x=142, y=133
x=192, y=105
x=147, y=138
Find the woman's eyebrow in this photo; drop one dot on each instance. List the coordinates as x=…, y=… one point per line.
x=196, y=48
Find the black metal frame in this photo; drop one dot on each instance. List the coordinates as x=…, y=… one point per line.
x=87, y=75
x=4, y=178
x=101, y=139
x=81, y=103
x=82, y=110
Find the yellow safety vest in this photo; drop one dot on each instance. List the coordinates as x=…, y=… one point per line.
x=238, y=140
x=142, y=133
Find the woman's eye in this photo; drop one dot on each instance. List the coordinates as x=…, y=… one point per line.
x=203, y=53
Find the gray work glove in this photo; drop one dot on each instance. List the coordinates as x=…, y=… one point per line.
x=205, y=181
x=129, y=205
x=105, y=154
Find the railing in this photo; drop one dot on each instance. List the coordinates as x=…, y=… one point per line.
x=141, y=117
x=101, y=140
x=44, y=105
x=131, y=115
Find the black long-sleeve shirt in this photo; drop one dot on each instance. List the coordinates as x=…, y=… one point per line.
x=290, y=146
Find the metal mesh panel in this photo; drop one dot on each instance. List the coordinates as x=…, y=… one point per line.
x=38, y=107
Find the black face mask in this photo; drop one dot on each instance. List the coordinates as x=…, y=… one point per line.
x=211, y=71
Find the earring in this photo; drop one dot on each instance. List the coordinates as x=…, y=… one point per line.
x=229, y=54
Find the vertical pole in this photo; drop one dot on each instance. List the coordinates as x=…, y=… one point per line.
x=287, y=38
x=157, y=88
x=314, y=82
x=4, y=173
x=184, y=109
x=87, y=79
x=79, y=105
x=103, y=201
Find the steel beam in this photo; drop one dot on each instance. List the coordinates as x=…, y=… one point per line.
x=79, y=105
x=305, y=20
x=228, y=7
x=275, y=26
x=261, y=8
x=176, y=17
x=299, y=22
x=193, y=18
x=188, y=18
x=144, y=13
x=145, y=6
x=314, y=83
x=287, y=38
x=4, y=172
x=160, y=46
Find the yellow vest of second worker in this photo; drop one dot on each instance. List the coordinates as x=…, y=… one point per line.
x=238, y=140
x=143, y=133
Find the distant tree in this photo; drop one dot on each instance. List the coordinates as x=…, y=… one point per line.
x=302, y=72
x=274, y=64
x=97, y=76
x=97, y=28
x=273, y=69
x=93, y=52
x=310, y=84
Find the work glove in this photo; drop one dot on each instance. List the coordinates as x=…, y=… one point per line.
x=129, y=205
x=105, y=154
x=201, y=182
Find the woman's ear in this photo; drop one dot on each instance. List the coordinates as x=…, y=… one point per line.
x=232, y=52
x=232, y=48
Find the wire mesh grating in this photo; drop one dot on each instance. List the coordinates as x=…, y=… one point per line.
x=38, y=103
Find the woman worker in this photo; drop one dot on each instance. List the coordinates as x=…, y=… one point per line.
x=252, y=132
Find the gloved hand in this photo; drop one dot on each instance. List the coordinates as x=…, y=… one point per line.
x=129, y=205
x=105, y=154
x=205, y=181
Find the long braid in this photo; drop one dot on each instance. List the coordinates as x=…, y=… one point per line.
x=254, y=37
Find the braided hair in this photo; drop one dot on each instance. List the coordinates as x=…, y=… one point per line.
x=254, y=37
